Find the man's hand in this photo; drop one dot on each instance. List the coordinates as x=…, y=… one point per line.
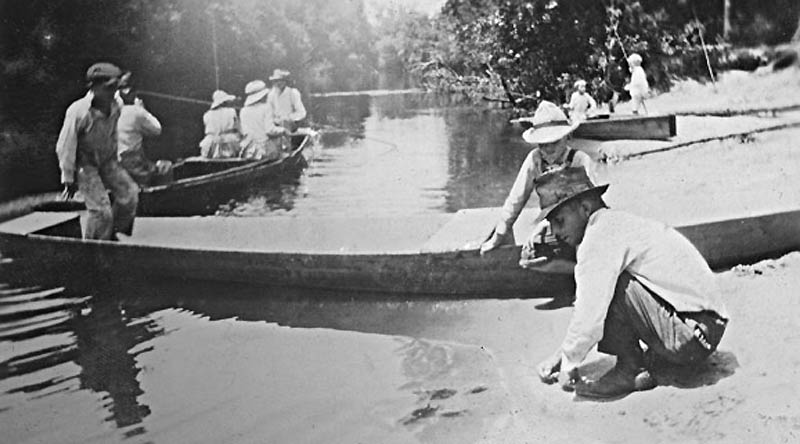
x=70, y=188
x=550, y=368
x=550, y=372
x=495, y=240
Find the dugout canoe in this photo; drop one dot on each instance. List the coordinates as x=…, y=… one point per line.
x=439, y=256
x=202, y=184
x=615, y=127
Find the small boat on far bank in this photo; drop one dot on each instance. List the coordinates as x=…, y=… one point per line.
x=202, y=184
x=613, y=127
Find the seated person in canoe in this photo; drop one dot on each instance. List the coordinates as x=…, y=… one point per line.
x=261, y=138
x=135, y=122
x=285, y=102
x=550, y=134
x=581, y=104
x=87, y=157
x=222, y=133
x=637, y=280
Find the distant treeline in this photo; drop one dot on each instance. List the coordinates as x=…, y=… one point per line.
x=333, y=44
x=544, y=45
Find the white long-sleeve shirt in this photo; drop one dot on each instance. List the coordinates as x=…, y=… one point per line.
x=256, y=121
x=655, y=254
x=286, y=105
x=533, y=167
x=639, y=84
x=580, y=104
x=134, y=123
x=87, y=135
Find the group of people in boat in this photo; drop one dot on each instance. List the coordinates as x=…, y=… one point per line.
x=259, y=130
x=643, y=292
x=100, y=146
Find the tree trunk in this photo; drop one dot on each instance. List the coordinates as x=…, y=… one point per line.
x=726, y=20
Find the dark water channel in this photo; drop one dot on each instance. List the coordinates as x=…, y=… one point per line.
x=83, y=359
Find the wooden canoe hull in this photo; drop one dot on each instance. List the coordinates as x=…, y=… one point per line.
x=201, y=194
x=618, y=127
x=628, y=127
x=455, y=272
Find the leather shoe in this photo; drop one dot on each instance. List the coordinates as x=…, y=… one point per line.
x=617, y=382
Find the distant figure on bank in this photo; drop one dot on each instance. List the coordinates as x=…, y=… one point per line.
x=135, y=122
x=285, y=102
x=87, y=156
x=581, y=105
x=638, y=86
x=261, y=139
x=222, y=136
x=636, y=280
x=550, y=134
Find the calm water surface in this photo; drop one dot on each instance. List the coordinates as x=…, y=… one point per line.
x=87, y=360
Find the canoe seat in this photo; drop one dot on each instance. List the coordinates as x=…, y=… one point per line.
x=65, y=223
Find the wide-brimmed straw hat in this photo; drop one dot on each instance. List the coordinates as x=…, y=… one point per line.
x=220, y=97
x=550, y=124
x=103, y=72
x=255, y=91
x=280, y=74
x=557, y=187
x=579, y=82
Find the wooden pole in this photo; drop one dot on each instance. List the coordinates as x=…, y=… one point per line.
x=214, y=43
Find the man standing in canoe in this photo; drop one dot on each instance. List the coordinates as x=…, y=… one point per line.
x=636, y=280
x=550, y=133
x=284, y=102
x=87, y=156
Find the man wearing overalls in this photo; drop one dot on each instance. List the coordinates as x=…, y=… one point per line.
x=87, y=156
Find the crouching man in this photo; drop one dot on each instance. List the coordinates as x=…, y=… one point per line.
x=636, y=280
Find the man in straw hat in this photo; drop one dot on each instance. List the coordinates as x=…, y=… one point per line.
x=285, y=102
x=87, y=156
x=636, y=280
x=550, y=132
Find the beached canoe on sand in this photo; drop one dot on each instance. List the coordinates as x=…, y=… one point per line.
x=618, y=126
x=439, y=256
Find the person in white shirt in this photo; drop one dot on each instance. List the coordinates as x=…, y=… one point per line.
x=285, y=102
x=550, y=134
x=87, y=156
x=581, y=105
x=638, y=86
x=135, y=122
x=261, y=139
x=636, y=280
x=221, y=122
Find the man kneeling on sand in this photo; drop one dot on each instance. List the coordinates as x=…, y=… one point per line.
x=637, y=280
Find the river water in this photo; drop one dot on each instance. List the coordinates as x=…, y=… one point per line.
x=87, y=360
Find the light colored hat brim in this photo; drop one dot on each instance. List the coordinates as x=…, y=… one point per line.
x=547, y=134
x=222, y=100
x=600, y=189
x=255, y=97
